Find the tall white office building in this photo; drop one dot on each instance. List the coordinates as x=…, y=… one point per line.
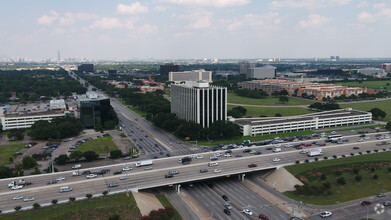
x=199, y=102
x=194, y=75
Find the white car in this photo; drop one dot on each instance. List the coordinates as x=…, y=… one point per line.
x=216, y=171
x=275, y=150
x=16, y=187
x=288, y=145
x=90, y=176
x=304, y=151
x=28, y=199
x=325, y=214
x=217, y=155
x=247, y=211
x=124, y=178
x=386, y=136
x=367, y=138
x=360, y=140
x=276, y=159
x=60, y=178
x=126, y=168
x=333, y=132
x=18, y=197
x=200, y=157
x=227, y=155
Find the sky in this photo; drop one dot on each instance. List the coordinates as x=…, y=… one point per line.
x=195, y=29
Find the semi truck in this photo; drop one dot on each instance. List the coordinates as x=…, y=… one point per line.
x=21, y=182
x=185, y=160
x=143, y=163
x=315, y=152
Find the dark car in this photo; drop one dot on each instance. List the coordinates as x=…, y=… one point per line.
x=258, y=153
x=387, y=203
x=295, y=218
x=238, y=155
x=86, y=172
x=227, y=212
x=356, y=148
x=225, y=197
x=263, y=217
x=117, y=172
x=246, y=150
x=168, y=176
x=203, y=171
x=211, y=185
x=52, y=182
x=252, y=165
x=366, y=202
x=269, y=148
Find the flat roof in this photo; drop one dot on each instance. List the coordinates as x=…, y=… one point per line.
x=306, y=117
x=26, y=114
x=91, y=96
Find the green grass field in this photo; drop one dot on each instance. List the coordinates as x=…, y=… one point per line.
x=97, y=208
x=255, y=112
x=233, y=98
x=366, y=106
x=7, y=151
x=376, y=85
x=310, y=175
x=166, y=203
x=98, y=145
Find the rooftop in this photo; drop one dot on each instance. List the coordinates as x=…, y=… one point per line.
x=92, y=96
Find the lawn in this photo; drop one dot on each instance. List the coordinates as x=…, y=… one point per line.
x=135, y=109
x=97, y=208
x=166, y=203
x=255, y=112
x=376, y=85
x=7, y=151
x=233, y=98
x=366, y=106
x=98, y=145
x=368, y=186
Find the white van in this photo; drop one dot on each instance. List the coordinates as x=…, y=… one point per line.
x=76, y=166
x=212, y=164
x=276, y=150
x=65, y=189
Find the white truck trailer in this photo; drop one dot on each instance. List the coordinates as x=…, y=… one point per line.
x=143, y=163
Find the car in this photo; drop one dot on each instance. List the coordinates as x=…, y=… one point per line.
x=200, y=157
x=276, y=159
x=238, y=155
x=378, y=135
x=367, y=138
x=117, y=172
x=228, y=206
x=263, y=217
x=168, y=176
x=113, y=184
x=227, y=212
x=275, y=150
x=381, y=195
x=333, y=132
x=28, y=199
x=123, y=178
x=127, y=158
x=225, y=197
x=295, y=218
x=247, y=212
x=148, y=168
x=356, y=148
x=52, y=182
x=252, y=165
x=126, y=168
x=18, y=153
x=360, y=140
x=269, y=148
x=387, y=203
x=216, y=171
x=325, y=214
x=304, y=151
x=16, y=187
x=299, y=148
x=18, y=197
x=203, y=170
x=288, y=145
x=365, y=203
x=92, y=175
x=61, y=178
x=211, y=185
x=227, y=155
x=173, y=172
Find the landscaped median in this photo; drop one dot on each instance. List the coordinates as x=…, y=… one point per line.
x=100, y=145
x=339, y=180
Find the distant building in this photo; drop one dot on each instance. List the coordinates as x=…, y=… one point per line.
x=264, y=72
x=329, y=71
x=168, y=67
x=199, y=102
x=93, y=107
x=57, y=104
x=25, y=115
x=386, y=67
x=314, y=121
x=112, y=72
x=372, y=71
x=88, y=68
x=244, y=66
x=194, y=75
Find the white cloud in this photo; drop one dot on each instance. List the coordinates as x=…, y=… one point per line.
x=66, y=19
x=48, y=19
x=314, y=20
x=340, y=2
x=366, y=17
x=107, y=23
x=363, y=4
x=268, y=21
x=199, y=20
x=182, y=34
x=210, y=3
x=146, y=29
x=134, y=8
x=381, y=13
x=159, y=8
x=307, y=4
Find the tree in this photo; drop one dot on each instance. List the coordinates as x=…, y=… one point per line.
x=62, y=159
x=377, y=113
x=5, y=172
x=15, y=134
x=277, y=115
x=388, y=126
x=72, y=199
x=375, y=177
x=17, y=208
x=189, y=129
x=76, y=155
x=88, y=196
x=28, y=162
x=284, y=92
x=90, y=155
x=358, y=178
x=36, y=205
x=283, y=99
x=322, y=177
x=115, y=154
x=54, y=201
x=326, y=185
x=341, y=180
x=105, y=193
x=114, y=217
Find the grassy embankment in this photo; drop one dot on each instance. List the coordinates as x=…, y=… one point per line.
x=365, y=166
x=98, y=145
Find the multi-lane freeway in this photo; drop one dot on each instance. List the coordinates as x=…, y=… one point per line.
x=142, y=179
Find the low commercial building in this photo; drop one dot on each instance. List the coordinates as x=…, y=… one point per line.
x=194, y=75
x=88, y=68
x=372, y=72
x=264, y=72
x=328, y=119
x=25, y=115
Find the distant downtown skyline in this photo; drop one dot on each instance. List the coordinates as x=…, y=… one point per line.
x=195, y=29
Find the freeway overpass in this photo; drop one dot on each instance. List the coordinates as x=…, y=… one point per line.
x=143, y=179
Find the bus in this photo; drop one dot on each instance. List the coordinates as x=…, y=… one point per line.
x=335, y=137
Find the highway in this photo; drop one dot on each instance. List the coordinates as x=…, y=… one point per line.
x=142, y=179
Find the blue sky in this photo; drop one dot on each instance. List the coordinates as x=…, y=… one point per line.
x=171, y=29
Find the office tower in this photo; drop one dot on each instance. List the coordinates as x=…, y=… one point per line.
x=194, y=75
x=168, y=67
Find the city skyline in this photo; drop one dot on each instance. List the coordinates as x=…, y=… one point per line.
x=195, y=29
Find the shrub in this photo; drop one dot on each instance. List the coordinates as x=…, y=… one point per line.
x=338, y=173
x=358, y=178
x=368, y=151
x=355, y=171
x=316, y=159
x=341, y=181
x=54, y=201
x=88, y=196
x=307, y=161
x=352, y=154
x=72, y=199
x=326, y=185
x=114, y=217
x=335, y=156
x=17, y=208
x=376, y=150
x=322, y=177
x=373, y=169
x=375, y=177
x=343, y=155
x=105, y=193
x=389, y=169
x=384, y=149
x=325, y=158
x=36, y=205
x=360, y=153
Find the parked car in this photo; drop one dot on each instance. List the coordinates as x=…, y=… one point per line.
x=381, y=195
x=225, y=197
x=366, y=202
x=247, y=212
x=228, y=206
x=326, y=214
x=227, y=212
x=387, y=203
